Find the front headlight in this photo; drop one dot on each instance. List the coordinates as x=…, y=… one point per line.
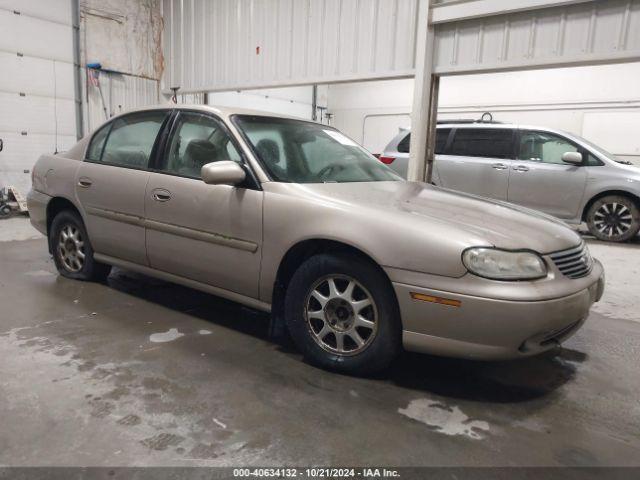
x=503, y=264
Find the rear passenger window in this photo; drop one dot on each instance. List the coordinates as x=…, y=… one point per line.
x=483, y=142
x=131, y=140
x=442, y=135
x=94, y=152
x=403, y=146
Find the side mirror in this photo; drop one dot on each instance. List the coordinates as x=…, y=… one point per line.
x=222, y=173
x=574, y=158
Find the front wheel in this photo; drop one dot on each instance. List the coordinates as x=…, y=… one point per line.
x=72, y=251
x=614, y=218
x=342, y=313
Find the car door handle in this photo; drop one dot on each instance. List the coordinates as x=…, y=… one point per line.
x=84, y=182
x=521, y=168
x=499, y=166
x=161, y=195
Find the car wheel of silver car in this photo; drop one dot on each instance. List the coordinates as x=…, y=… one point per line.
x=343, y=315
x=614, y=218
x=71, y=249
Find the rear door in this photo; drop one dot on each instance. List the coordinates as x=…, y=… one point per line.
x=477, y=160
x=208, y=233
x=541, y=180
x=111, y=183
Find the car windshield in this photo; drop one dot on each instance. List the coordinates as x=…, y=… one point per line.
x=304, y=152
x=603, y=153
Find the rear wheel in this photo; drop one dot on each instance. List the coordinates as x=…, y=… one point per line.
x=72, y=251
x=614, y=218
x=342, y=313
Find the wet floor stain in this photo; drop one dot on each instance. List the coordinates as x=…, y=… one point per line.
x=129, y=420
x=163, y=337
x=39, y=273
x=449, y=420
x=162, y=441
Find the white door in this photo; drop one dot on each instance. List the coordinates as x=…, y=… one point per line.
x=37, y=109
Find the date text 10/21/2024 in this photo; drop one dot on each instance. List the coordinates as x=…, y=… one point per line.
x=316, y=472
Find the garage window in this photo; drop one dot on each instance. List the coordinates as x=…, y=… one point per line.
x=483, y=142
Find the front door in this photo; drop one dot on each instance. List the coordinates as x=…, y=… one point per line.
x=477, y=161
x=111, y=183
x=208, y=233
x=541, y=180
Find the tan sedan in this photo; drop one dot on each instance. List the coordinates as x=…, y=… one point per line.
x=294, y=218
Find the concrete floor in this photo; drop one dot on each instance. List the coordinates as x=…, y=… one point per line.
x=142, y=372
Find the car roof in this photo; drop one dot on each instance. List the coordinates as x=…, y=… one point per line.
x=494, y=125
x=224, y=112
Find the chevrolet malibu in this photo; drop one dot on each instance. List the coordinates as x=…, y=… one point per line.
x=294, y=218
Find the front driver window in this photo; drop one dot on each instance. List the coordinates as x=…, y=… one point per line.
x=544, y=147
x=197, y=140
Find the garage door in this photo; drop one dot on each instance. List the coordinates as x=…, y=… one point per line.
x=37, y=110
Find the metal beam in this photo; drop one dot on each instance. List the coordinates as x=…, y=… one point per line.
x=77, y=68
x=424, y=97
x=583, y=33
x=456, y=10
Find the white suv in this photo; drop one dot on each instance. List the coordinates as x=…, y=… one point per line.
x=537, y=167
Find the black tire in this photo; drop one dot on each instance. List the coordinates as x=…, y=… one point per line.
x=90, y=269
x=5, y=211
x=380, y=349
x=614, y=218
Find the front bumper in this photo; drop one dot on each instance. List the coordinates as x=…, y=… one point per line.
x=493, y=329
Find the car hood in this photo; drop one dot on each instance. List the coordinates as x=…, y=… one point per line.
x=481, y=221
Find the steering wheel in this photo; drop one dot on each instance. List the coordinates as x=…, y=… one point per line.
x=330, y=168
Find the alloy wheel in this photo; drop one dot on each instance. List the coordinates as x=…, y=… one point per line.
x=613, y=219
x=341, y=315
x=71, y=248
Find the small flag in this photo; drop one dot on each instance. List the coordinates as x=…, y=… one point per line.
x=94, y=77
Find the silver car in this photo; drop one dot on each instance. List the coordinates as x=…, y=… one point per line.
x=294, y=218
x=540, y=168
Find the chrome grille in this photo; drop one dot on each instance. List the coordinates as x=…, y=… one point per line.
x=575, y=262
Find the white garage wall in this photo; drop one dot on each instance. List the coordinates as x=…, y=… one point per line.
x=294, y=101
x=572, y=99
x=36, y=85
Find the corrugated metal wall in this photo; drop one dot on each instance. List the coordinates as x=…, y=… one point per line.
x=214, y=45
x=590, y=32
x=121, y=93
